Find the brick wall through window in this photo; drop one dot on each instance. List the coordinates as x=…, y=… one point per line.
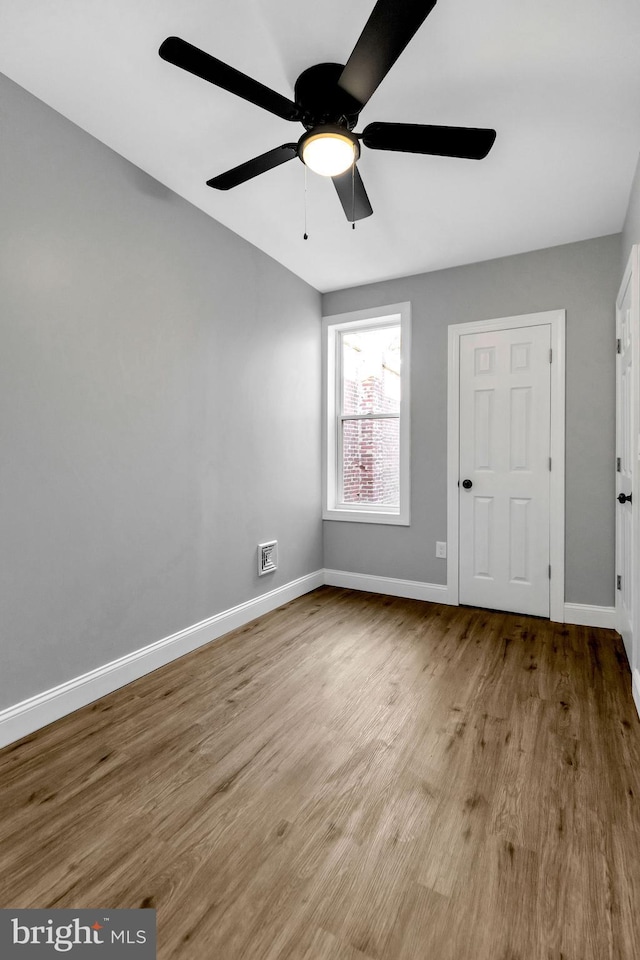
x=370, y=448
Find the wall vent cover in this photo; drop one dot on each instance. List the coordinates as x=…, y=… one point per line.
x=267, y=557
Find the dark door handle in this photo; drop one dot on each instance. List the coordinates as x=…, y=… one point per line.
x=467, y=484
x=623, y=498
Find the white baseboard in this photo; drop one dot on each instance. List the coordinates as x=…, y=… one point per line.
x=29, y=715
x=587, y=615
x=411, y=589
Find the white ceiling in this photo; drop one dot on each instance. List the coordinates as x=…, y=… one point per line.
x=559, y=81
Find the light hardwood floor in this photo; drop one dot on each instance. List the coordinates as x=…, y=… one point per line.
x=352, y=777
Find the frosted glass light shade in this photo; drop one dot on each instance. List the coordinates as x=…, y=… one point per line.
x=329, y=154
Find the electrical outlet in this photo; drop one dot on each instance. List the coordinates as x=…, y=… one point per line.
x=441, y=549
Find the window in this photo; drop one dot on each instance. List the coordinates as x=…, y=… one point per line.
x=366, y=384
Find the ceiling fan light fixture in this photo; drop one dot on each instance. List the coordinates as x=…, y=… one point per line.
x=329, y=150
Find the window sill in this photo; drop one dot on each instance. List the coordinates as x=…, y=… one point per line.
x=366, y=516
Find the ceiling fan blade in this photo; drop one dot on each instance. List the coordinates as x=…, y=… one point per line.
x=353, y=195
x=472, y=143
x=253, y=168
x=201, y=64
x=387, y=32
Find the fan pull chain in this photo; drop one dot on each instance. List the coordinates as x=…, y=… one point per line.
x=353, y=196
x=306, y=235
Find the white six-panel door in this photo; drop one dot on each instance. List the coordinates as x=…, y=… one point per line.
x=504, y=458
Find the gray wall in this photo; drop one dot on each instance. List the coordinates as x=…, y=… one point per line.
x=581, y=278
x=631, y=231
x=159, y=407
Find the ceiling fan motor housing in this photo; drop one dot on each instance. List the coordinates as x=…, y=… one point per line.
x=322, y=101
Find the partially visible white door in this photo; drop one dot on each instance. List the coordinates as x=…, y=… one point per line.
x=628, y=466
x=624, y=462
x=504, y=492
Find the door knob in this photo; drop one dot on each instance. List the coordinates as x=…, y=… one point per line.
x=623, y=498
x=467, y=484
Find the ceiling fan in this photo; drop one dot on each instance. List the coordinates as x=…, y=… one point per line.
x=328, y=100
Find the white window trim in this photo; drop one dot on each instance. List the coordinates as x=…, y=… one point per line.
x=331, y=326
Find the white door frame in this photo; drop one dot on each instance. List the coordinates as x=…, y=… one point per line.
x=556, y=320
